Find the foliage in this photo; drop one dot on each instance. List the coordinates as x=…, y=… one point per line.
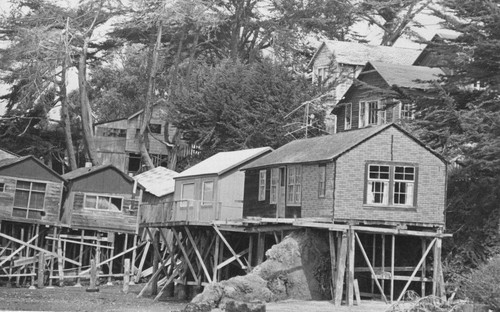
x=235, y=106
x=483, y=284
x=425, y=304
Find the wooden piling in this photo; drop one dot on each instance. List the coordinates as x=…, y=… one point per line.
x=126, y=275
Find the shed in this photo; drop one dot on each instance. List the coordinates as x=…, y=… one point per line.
x=30, y=192
x=375, y=175
x=213, y=188
x=101, y=198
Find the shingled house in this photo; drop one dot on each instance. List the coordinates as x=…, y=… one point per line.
x=375, y=175
x=384, y=93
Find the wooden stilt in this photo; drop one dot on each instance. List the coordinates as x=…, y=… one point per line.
x=333, y=262
x=229, y=246
x=110, y=263
x=383, y=260
x=393, y=251
x=156, y=260
x=197, y=252
x=341, y=264
x=134, y=256
x=126, y=275
x=261, y=241
x=350, y=269
x=216, y=258
x=51, y=271
x=41, y=269
x=436, y=278
x=60, y=262
x=374, y=255
x=250, y=252
x=356, y=292
x=141, y=264
x=422, y=290
x=186, y=256
x=79, y=268
x=18, y=278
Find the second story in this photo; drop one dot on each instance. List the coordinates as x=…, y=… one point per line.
x=30, y=192
x=376, y=175
x=101, y=198
x=213, y=188
x=385, y=93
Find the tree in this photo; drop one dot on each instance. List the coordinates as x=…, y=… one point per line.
x=234, y=106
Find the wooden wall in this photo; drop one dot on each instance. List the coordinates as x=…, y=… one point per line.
x=155, y=145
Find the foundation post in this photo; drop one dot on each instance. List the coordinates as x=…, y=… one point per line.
x=156, y=260
x=424, y=247
x=350, y=270
x=341, y=263
x=126, y=275
x=333, y=261
x=393, y=251
x=41, y=269
x=261, y=241
x=79, y=269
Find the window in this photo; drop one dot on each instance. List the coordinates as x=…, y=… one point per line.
x=155, y=128
x=371, y=113
x=294, y=185
x=101, y=202
x=29, y=200
x=112, y=132
x=2, y=187
x=404, y=182
x=274, y=186
x=322, y=180
x=321, y=74
x=390, y=185
x=407, y=111
x=207, y=195
x=348, y=116
x=262, y=185
x=187, y=194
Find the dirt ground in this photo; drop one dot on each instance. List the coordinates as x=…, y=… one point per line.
x=110, y=298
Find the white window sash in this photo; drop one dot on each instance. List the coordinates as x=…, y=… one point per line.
x=262, y=185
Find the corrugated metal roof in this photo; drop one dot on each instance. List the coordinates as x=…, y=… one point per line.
x=324, y=148
x=354, y=53
x=158, y=181
x=407, y=76
x=223, y=162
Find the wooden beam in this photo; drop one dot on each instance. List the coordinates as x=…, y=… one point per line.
x=80, y=242
x=350, y=269
x=229, y=247
x=216, y=258
x=18, y=250
x=156, y=261
x=141, y=264
x=393, y=251
x=333, y=262
x=416, y=269
x=342, y=257
x=186, y=256
x=261, y=241
x=363, y=252
x=233, y=258
x=197, y=252
x=168, y=281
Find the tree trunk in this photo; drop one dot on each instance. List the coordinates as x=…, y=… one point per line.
x=65, y=118
x=148, y=106
x=88, y=133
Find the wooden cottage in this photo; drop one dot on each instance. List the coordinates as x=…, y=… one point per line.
x=117, y=142
x=384, y=93
x=30, y=192
x=375, y=175
x=101, y=198
x=213, y=188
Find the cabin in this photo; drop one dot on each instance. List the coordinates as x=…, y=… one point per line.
x=431, y=56
x=117, y=141
x=30, y=192
x=377, y=175
x=385, y=93
x=101, y=198
x=213, y=188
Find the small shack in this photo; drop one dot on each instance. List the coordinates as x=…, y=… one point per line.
x=213, y=188
x=101, y=198
x=375, y=175
x=30, y=192
x=158, y=195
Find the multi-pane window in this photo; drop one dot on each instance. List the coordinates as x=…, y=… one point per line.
x=294, y=180
x=404, y=181
x=274, y=186
x=322, y=74
x=407, y=111
x=262, y=185
x=29, y=200
x=101, y=202
x=155, y=128
x=348, y=116
x=207, y=195
x=378, y=185
x=322, y=180
x=391, y=185
x=371, y=113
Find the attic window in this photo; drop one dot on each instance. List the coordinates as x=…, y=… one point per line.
x=407, y=111
x=371, y=113
x=321, y=74
x=155, y=128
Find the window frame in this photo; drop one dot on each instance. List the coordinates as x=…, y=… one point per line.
x=97, y=196
x=262, y=185
x=391, y=184
x=2, y=187
x=204, y=201
x=378, y=113
x=28, y=209
x=322, y=169
x=275, y=185
x=294, y=187
x=410, y=112
x=348, y=109
x=321, y=74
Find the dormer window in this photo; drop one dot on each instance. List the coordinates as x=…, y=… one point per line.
x=371, y=113
x=321, y=74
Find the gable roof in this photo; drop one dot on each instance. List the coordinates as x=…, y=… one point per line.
x=81, y=172
x=6, y=154
x=354, y=53
x=405, y=76
x=223, y=162
x=7, y=162
x=324, y=148
x=158, y=181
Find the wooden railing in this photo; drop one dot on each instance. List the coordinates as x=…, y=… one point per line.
x=196, y=210
x=155, y=213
